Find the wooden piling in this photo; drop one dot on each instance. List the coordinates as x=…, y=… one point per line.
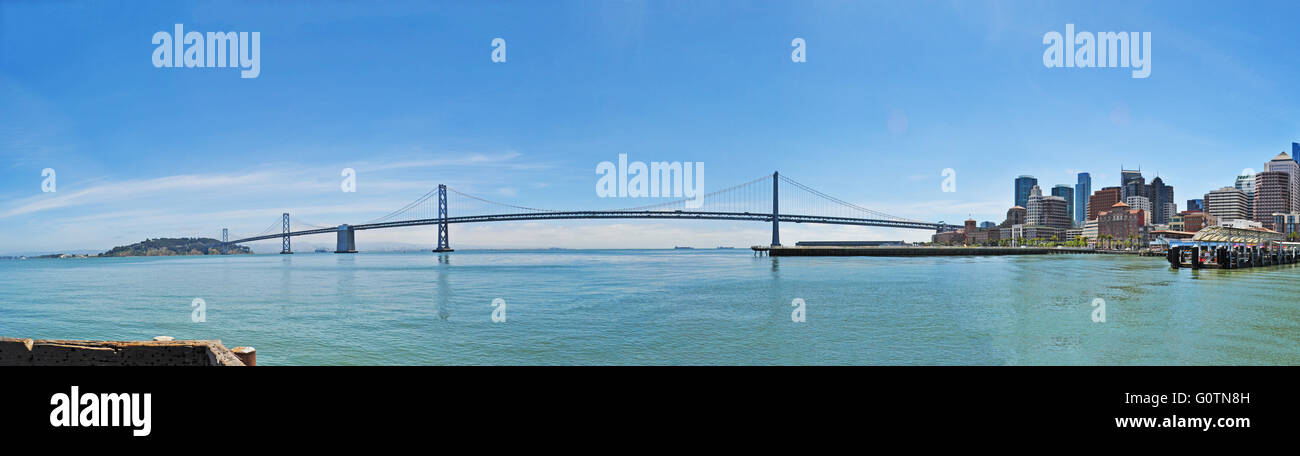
x=247, y=355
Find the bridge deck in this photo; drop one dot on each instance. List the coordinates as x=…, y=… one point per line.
x=687, y=215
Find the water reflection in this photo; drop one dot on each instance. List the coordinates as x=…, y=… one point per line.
x=444, y=287
x=347, y=276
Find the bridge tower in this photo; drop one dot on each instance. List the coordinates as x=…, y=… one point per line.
x=444, y=243
x=284, y=241
x=225, y=239
x=776, y=231
x=347, y=239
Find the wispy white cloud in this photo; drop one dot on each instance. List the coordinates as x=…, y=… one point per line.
x=125, y=190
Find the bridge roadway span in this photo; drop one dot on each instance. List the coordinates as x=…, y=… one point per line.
x=687, y=215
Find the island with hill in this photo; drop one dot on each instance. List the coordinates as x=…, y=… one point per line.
x=176, y=246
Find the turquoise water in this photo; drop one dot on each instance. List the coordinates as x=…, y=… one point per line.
x=667, y=307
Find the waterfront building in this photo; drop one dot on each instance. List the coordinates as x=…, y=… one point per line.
x=1015, y=216
x=1226, y=203
x=1066, y=192
x=1018, y=233
x=1196, y=205
x=949, y=237
x=1101, y=200
x=1090, y=230
x=1024, y=184
x=984, y=237
x=1283, y=163
x=1194, y=221
x=1167, y=235
x=1272, y=195
x=1169, y=210
x=1073, y=233
x=1082, y=190
x=1286, y=223
x=1121, y=223
x=1046, y=233
x=1140, y=203
x=986, y=225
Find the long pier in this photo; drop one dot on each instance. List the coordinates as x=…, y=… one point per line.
x=895, y=251
x=1233, y=256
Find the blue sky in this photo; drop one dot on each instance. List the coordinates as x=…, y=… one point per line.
x=891, y=94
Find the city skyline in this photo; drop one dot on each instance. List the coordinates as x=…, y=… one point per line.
x=145, y=152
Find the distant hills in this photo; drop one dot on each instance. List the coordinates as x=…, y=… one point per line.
x=175, y=246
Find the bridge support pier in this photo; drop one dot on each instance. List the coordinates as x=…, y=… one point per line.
x=347, y=240
x=444, y=241
x=225, y=239
x=284, y=241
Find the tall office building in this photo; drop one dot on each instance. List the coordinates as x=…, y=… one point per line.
x=1034, y=206
x=1066, y=192
x=1246, y=183
x=1054, y=212
x=1227, y=203
x=1082, y=190
x=1272, y=195
x=1283, y=163
x=1131, y=183
x=1047, y=210
x=1023, y=185
x=1196, y=205
x=1160, y=195
x=1102, y=200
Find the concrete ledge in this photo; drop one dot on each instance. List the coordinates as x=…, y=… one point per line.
x=53, y=352
x=914, y=251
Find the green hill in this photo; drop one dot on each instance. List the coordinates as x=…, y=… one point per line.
x=175, y=246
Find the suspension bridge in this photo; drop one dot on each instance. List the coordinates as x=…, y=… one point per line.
x=797, y=203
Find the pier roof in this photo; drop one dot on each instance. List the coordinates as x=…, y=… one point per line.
x=1236, y=235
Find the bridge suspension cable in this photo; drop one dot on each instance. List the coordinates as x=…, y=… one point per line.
x=300, y=222
x=476, y=198
x=823, y=208
x=748, y=196
x=266, y=231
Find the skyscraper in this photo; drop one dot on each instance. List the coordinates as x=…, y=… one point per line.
x=1082, y=191
x=1066, y=192
x=1196, y=205
x=1283, y=163
x=1161, y=196
x=1131, y=183
x=1272, y=196
x=1246, y=183
x=1034, y=206
x=1023, y=185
